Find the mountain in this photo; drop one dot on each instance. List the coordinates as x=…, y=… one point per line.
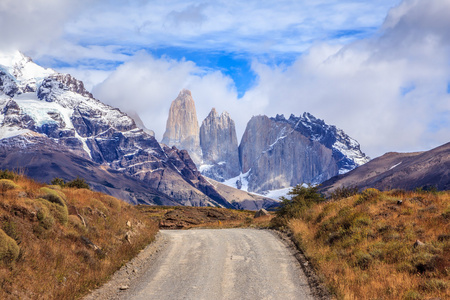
x=399, y=171
x=51, y=126
x=182, y=128
x=274, y=153
x=219, y=146
x=295, y=151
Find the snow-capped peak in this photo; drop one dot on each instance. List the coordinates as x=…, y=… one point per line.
x=346, y=150
x=22, y=67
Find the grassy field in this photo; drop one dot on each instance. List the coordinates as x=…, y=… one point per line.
x=376, y=245
x=58, y=243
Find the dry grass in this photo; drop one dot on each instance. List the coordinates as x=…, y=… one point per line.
x=180, y=217
x=66, y=248
x=363, y=246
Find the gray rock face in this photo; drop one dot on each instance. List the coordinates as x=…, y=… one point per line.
x=219, y=146
x=274, y=153
x=277, y=153
x=277, y=156
x=182, y=126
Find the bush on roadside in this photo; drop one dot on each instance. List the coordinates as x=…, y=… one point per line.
x=302, y=199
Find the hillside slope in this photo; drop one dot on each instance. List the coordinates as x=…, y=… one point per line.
x=399, y=171
x=60, y=243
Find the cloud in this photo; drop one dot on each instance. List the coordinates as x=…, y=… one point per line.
x=148, y=85
x=28, y=24
x=388, y=91
x=245, y=26
x=361, y=87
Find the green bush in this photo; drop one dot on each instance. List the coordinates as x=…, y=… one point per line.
x=7, y=184
x=78, y=183
x=112, y=202
x=5, y=174
x=302, y=199
x=57, y=211
x=43, y=215
x=53, y=196
x=58, y=181
x=412, y=295
x=10, y=228
x=344, y=192
x=363, y=260
x=9, y=250
x=434, y=285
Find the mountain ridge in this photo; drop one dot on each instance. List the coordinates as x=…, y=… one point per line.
x=56, y=109
x=393, y=170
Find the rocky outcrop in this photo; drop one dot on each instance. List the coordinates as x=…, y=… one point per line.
x=219, y=146
x=298, y=150
x=54, y=85
x=182, y=126
x=291, y=157
x=274, y=153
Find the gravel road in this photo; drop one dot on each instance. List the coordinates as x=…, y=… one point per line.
x=220, y=264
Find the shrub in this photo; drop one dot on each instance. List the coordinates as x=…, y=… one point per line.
x=9, y=250
x=53, y=196
x=43, y=215
x=412, y=295
x=10, y=228
x=363, y=260
x=78, y=183
x=368, y=196
x=6, y=185
x=94, y=203
x=302, y=198
x=59, y=212
x=434, y=285
x=5, y=174
x=112, y=202
x=58, y=181
x=344, y=192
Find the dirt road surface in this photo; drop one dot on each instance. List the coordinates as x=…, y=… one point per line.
x=220, y=264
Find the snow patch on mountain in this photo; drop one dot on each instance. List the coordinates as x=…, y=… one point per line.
x=239, y=182
x=345, y=149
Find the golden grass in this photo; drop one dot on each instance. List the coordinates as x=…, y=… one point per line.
x=64, y=256
x=205, y=217
x=362, y=246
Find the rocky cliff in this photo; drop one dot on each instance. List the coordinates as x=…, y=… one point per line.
x=219, y=146
x=182, y=126
x=277, y=153
x=274, y=153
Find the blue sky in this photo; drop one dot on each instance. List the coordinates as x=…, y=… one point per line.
x=377, y=69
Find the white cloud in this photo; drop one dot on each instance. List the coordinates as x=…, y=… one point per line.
x=359, y=86
x=28, y=24
x=389, y=92
x=246, y=26
x=148, y=85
